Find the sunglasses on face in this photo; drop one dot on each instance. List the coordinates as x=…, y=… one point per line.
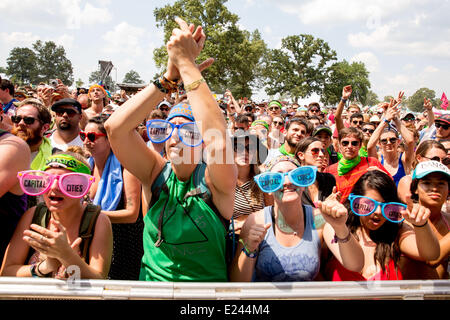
x=445, y=161
x=27, y=120
x=92, y=136
x=441, y=125
x=160, y=131
x=278, y=123
x=60, y=112
x=368, y=130
x=357, y=122
x=73, y=185
x=390, y=140
x=274, y=108
x=314, y=110
x=241, y=147
x=315, y=151
x=164, y=109
x=409, y=119
x=354, y=143
x=365, y=206
x=273, y=181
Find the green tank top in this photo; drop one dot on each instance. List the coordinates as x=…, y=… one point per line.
x=193, y=245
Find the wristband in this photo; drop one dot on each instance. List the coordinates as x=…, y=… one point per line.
x=415, y=225
x=336, y=239
x=160, y=87
x=250, y=254
x=343, y=100
x=33, y=271
x=194, y=85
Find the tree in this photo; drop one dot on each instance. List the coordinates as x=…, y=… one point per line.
x=132, y=77
x=371, y=99
x=52, y=62
x=22, y=65
x=95, y=77
x=79, y=83
x=415, y=102
x=299, y=68
x=237, y=52
x=341, y=74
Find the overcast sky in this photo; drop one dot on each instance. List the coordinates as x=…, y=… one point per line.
x=405, y=44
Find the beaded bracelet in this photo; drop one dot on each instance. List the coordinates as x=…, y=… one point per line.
x=248, y=253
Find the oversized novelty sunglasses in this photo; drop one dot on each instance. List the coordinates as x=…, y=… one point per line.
x=159, y=131
x=73, y=184
x=27, y=120
x=365, y=206
x=273, y=181
x=92, y=136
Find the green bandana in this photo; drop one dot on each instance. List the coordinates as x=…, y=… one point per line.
x=261, y=122
x=67, y=162
x=283, y=151
x=345, y=165
x=363, y=152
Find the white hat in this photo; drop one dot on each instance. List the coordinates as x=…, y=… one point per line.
x=375, y=118
x=425, y=168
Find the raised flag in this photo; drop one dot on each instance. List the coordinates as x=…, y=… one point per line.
x=444, y=100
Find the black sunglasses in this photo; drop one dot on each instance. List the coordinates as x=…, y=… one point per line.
x=357, y=122
x=27, y=120
x=354, y=143
x=314, y=110
x=391, y=140
x=278, y=123
x=368, y=130
x=441, y=125
x=60, y=112
x=409, y=119
x=240, y=147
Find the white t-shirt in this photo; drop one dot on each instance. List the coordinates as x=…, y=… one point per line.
x=63, y=147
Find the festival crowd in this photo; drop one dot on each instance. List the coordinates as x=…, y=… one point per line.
x=175, y=183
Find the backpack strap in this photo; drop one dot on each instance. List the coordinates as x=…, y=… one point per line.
x=87, y=228
x=158, y=184
x=41, y=215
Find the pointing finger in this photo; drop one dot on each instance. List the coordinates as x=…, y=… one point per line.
x=183, y=25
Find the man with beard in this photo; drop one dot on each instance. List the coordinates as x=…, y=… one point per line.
x=31, y=121
x=296, y=129
x=67, y=119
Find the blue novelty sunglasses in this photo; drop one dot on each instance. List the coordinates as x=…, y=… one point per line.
x=365, y=206
x=159, y=131
x=273, y=181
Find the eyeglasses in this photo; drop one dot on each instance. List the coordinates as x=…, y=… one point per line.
x=277, y=123
x=357, y=122
x=159, y=131
x=368, y=130
x=60, y=112
x=273, y=181
x=391, y=141
x=73, y=184
x=365, y=206
x=92, y=136
x=27, y=120
x=441, y=125
x=354, y=143
x=315, y=151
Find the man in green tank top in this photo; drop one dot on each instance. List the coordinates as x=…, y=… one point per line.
x=184, y=237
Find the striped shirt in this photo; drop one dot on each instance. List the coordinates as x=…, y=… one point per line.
x=244, y=204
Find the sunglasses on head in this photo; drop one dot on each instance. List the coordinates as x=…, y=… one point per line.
x=60, y=112
x=441, y=125
x=92, y=136
x=368, y=130
x=73, y=184
x=391, y=141
x=365, y=206
x=354, y=143
x=273, y=181
x=27, y=120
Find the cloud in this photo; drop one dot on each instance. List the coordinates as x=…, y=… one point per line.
x=26, y=39
x=124, y=38
x=431, y=69
x=369, y=59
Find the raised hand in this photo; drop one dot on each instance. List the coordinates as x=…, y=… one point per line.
x=427, y=104
x=346, y=92
x=332, y=210
x=62, y=89
x=415, y=213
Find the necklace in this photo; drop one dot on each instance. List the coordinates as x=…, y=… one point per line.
x=283, y=226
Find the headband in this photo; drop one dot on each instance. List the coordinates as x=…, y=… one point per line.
x=97, y=86
x=275, y=102
x=67, y=162
x=260, y=122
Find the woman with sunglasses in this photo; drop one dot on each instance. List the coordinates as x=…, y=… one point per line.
x=376, y=220
x=430, y=188
x=276, y=133
x=311, y=152
x=190, y=202
x=397, y=164
x=282, y=242
x=118, y=193
x=49, y=250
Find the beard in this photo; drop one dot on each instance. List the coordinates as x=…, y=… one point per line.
x=64, y=126
x=31, y=137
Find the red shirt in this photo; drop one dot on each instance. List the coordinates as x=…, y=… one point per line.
x=345, y=183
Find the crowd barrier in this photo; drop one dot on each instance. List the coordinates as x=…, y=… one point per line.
x=39, y=288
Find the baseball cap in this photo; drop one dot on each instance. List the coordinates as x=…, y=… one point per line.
x=404, y=114
x=322, y=128
x=444, y=118
x=164, y=103
x=425, y=168
x=375, y=118
x=67, y=102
